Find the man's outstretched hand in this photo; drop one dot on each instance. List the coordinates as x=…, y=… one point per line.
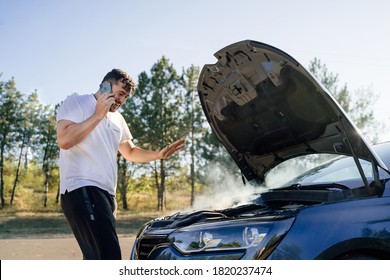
x=171, y=149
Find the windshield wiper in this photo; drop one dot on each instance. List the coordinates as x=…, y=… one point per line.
x=316, y=187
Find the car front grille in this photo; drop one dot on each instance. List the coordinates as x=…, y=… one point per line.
x=147, y=244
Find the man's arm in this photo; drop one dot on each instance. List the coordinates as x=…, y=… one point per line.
x=70, y=133
x=136, y=154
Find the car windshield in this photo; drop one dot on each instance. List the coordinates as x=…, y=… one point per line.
x=321, y=169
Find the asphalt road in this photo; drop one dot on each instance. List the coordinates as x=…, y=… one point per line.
x=51, y=248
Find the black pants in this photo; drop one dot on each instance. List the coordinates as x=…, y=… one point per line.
x=90, y=213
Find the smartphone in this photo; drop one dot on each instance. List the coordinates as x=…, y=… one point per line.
x=105, y=87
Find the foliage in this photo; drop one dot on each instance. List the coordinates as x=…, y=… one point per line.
x=11, y=107
x=157, y=118
x=30, y=194
x=48, y=144
x=358, y=105
x=193, y=124
x=27, y=133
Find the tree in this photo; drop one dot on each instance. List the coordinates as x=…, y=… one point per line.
x=194, y=122
x=153, y=114
x=30, y=110
x=359, y=106
x=363, y=114
x=49, y=148
x=10, y=117
x=123, y=179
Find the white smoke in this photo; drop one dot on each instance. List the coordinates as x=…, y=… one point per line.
x=227, y=189
x=281, y=175
x=224, y=190
x=290, y=169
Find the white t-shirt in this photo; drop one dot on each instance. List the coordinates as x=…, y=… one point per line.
x=92, y=162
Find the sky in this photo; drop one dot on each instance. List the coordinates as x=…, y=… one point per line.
x=61, y=47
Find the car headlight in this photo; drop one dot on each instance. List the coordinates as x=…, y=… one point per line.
x=225, y=235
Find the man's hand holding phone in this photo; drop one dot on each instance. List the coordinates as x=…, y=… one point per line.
x=105, y=88
x=105, y=99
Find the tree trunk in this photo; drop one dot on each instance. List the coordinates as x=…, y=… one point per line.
x=158, y=187
x=58, y=194
x=45, y=169
x=123, y=180
x=192, y=171
x=17, y=172
x=2, y=176
x=46, y=186
x=123, y=189
x=162, y=172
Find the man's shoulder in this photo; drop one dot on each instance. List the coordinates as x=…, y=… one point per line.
x=79, y=96
x=76, y=108
x=75, y=97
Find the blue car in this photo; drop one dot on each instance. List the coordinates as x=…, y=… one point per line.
x=271, y=114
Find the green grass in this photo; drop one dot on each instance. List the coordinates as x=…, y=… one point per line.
x=20, y=224
x=27, y=218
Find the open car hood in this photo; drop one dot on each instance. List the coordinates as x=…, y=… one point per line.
x=265, y=108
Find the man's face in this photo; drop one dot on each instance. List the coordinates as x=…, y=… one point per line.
x=120, y=95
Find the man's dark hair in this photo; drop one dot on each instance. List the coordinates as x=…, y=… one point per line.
x=118, y=75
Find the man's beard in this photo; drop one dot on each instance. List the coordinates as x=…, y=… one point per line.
x=114, y=107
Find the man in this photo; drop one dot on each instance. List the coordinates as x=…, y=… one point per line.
x=90, y=132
